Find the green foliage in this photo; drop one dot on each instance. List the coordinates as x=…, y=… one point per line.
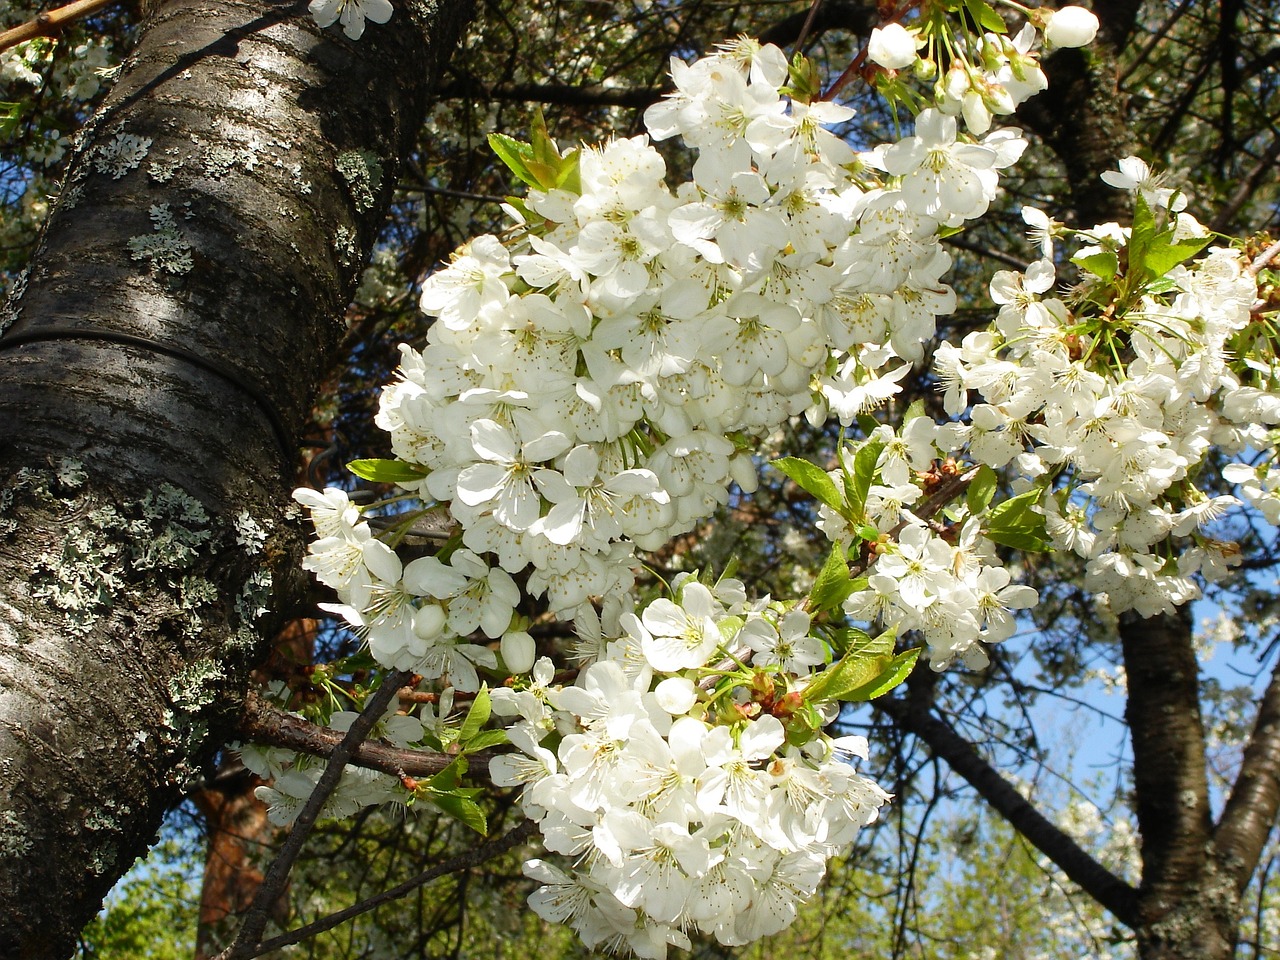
x=151, y=914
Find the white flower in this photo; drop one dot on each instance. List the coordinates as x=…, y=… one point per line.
x=353, y=14
x=1070, y=27
x=1135, y=175
x=892, y=46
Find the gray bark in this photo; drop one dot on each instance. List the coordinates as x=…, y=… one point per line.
x=153, y=375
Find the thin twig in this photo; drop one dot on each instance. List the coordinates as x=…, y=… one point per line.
x=266, y=724
x=808, y=25
x=851, y=71
x=245, y=945
x=1263, y=260
x=463, y=861
x=50, y=23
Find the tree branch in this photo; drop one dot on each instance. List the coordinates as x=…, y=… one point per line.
x=264, y=723
x=255, y=921
x=1163, y=713
x=1251, y=810
x=1112, y=892
x=463, y=861
x=50, y=23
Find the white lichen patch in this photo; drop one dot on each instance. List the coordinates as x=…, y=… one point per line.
x=161, y=169
x=12, y=304
x=252, y=601
x=363, y=172
x=166, y=248
x=161, y=537
x=344, y=245
x=249, y=533
x=122, y=153
x=195, y=687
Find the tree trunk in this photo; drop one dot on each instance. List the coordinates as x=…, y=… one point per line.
x=157, y=363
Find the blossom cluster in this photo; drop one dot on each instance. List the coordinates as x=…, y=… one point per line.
x=988, y=74
x=684, y=804
x=1109, y=399
x=595, y=383
x=598, y=377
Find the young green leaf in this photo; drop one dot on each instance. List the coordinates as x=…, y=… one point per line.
x=981, y=489
x=387, y=471
x=477, y=715
x=464, y=810
x=985, y=16
x=813, y=480
x=896, y=670
x=865, y=462
x=484, y=740
x=1104, y=264
x=1165, y=254
x=849, y=673
x=866, y=645
x=1014, y=523
x=9, y=114
x=515, y=154
x=832, y=585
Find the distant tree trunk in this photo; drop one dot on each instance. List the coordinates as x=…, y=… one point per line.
x=157, y=363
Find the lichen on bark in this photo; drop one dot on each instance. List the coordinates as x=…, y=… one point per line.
x=128, y=616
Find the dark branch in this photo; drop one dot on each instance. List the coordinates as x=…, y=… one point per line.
x=1095, y=879
x=263, y=723
x=1169, y=764
x=463, y=861
x=255, y=921
x=1251, y=809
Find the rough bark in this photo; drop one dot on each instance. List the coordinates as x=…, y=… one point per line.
x=156, y=366
x=1188, y=907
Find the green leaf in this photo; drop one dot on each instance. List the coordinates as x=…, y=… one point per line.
x=862, y=644
x=897, y=670
x=986, y=17
x=1141, y=234
x=1104, y=264
x=914, y=412
x=543, y=147
x=865, y=462
x=387, y=471
x=1014, y=523
x=477, y=715
x=448, y=778
x=570, y=176
x=486, y=739
x=9, y=114
x=813, y=480
x=463, y=809
x=515, y=154
x=832, y=584
x=981, y=489
x=1165, y=254
x=850, y=673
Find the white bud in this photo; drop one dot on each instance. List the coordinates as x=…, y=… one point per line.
x=676, y=695
x=518, y=651
x=892, y=46
x=1070, y=27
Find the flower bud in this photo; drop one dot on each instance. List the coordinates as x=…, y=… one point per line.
x=518, y=651
x=1070, y=27
x=676, y=695
x=892, y=46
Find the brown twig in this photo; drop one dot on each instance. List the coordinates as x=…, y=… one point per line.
x=856, y=64
x=50, y=23
x=463, y=861
x=246, y=943
x=1264, y=259
x=263, y=723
